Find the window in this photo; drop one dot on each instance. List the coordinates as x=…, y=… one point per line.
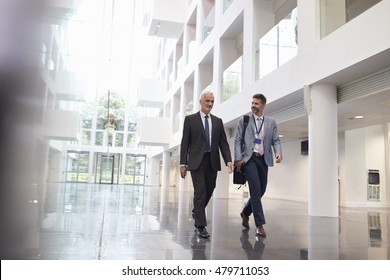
x=77, y=165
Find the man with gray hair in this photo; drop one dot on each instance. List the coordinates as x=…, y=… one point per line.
x=203, y=137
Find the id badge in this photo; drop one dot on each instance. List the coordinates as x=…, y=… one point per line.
x=257, y=141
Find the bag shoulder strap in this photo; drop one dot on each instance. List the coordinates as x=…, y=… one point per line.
x=246, y=120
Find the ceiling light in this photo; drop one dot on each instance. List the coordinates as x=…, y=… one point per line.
x=358, y=117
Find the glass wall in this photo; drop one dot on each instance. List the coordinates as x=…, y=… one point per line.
x=135, y=169
x=107, y=120
x=226, y=4
x=209, y=22
x=106, y=168
x=335, y=13
x=232, y=79
x=278, y=46
x=77, y=165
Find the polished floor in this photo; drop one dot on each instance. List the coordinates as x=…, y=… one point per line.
x=116, y=222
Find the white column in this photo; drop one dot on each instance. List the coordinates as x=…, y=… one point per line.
x=248, y=64
x=183, y=105
x=164, y=205
x=197, y=90
x=323, y=155
x=217, y=72
x=184, y=183
x=164, y=192
x=219, y=222
x=318, y=228
x=123, y=167
x=91, y=159
x=184, y=209
x=165, y=170
x=153, y=169
x=222, y=186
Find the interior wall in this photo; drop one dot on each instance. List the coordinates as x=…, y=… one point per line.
x=359, y=150
x=354, y=185
x=55, y=173
x=375, y=151
x=342, y=164
x=289, y=179
x=364, y=149
x=387, y=162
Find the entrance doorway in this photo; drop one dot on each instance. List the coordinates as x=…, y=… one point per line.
x=107, y=168
x=135, y=169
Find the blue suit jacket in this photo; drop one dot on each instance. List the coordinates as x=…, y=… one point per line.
x=271, y=140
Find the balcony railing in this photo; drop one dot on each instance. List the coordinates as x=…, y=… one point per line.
x=277, y=47
x=232, y=80
x=208, y=24
x=226, y=4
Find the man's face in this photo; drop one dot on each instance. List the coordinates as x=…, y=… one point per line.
x=206, y=103
x=257, y=107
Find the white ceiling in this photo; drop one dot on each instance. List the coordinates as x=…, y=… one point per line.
x=375, y=109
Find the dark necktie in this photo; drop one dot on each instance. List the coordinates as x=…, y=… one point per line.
x=207, y=133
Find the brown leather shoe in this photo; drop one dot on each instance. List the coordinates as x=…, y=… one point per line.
x=245, y=220
x=260, y=231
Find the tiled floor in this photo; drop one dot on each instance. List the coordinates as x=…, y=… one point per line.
x=116, y=222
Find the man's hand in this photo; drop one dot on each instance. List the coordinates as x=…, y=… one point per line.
x=230, y=167
x=183, y=171
x=238, y=164
x=278, y=158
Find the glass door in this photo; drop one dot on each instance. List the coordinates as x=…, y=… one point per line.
x=107, y=168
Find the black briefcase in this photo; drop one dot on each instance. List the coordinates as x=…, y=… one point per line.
x=239, y=176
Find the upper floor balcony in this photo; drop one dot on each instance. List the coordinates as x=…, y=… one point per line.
x=60, y=8
x=166, y=18
x=61, y=125
x=151, y=93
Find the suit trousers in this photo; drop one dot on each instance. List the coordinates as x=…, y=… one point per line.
x=256, y=171
x=204, y=180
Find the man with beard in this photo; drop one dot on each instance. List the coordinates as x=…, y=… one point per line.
x=253, y=151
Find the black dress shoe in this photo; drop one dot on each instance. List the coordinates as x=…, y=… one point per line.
x=245, y=220
x=202, y=232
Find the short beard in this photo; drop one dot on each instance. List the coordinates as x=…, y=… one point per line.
x=255, y=110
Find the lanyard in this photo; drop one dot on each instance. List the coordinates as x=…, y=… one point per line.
x=261, y=126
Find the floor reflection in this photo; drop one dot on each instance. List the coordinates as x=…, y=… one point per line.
x=253, y=252
x=87, y=221
x=375, y=229
x=198, y=246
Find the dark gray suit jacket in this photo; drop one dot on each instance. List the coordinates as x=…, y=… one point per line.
x=193, y=142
